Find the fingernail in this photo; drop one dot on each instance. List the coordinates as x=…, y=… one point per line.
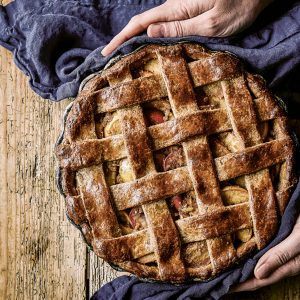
x=104, y=52
x=156, y=30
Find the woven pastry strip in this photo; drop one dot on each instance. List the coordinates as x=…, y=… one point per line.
x=193, y=229
x=148, y=88
x=259, y=185
x=92, y=204
x=162, y=135
x=161, y=226
x=199, y=158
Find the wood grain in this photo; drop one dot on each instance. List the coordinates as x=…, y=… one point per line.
x=100, y=273
x=42, y=254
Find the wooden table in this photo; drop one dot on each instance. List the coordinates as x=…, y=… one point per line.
x=42, y=254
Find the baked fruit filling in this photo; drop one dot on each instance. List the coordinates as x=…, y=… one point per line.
x=150, y=67
x=159, y=111
x=182, y=205
x=156, y=112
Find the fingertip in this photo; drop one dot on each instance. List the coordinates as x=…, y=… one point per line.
x=244, y=286
x=105, y=51
x=262, y=271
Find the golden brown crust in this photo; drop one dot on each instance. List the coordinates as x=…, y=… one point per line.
x=209, y=94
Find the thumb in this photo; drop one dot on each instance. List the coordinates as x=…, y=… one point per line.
x=204, y=24
x=277, y=256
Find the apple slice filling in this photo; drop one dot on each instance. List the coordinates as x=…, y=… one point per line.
x=182, y=205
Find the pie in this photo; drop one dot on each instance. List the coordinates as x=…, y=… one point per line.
x=175, y=162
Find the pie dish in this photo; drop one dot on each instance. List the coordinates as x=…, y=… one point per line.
x=175, y=162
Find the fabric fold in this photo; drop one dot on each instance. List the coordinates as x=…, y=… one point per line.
x=58, y=43
x=5, y=29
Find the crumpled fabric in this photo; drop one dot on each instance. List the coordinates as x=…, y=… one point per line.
x=57, y=43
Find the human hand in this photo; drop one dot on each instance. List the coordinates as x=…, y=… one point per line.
x=217, y=18
x=278, y=263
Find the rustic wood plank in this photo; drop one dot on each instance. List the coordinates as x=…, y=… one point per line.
x=100, y=273
x=42, y=254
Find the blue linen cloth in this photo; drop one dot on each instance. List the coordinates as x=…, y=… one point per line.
x=57, y=43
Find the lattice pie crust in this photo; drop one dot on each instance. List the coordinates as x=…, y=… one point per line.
x=175, y=162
